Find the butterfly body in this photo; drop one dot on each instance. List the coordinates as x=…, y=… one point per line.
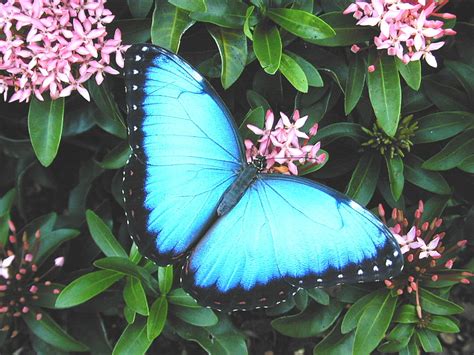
x=252, y=238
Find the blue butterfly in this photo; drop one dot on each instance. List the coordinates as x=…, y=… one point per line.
x=248, y=239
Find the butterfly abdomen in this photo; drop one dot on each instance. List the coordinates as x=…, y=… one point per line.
x=235, y=191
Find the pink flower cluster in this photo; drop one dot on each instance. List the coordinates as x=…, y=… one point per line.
x=55, y=46
x=405, y=30
x=281, y=146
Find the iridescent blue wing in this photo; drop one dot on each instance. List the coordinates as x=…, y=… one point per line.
x=288, y=232
x=186, y=152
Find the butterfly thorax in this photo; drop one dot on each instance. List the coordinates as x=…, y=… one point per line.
x=234, y=192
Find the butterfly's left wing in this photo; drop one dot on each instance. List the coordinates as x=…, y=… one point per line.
x=288, y=232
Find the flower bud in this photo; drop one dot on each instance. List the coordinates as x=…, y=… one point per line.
x=434, y=278
x=355, y=48
x=371, y=68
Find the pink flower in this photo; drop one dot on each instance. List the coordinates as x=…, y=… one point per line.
x=4, y=265
x=54, y=46
x=266, y=133
x=407, y=241
x=405, y=30
x=371, y=68
x=355, y=48
x=59, y=261
x=429, y=250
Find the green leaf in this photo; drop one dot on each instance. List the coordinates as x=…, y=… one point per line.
x=165, y=279
x=428, y=180
x=398, y=338
x=255, y=100
x=354, y=313
x=301, y=23
x=103, y=236
x=127, y=267
x=385, y=92
x=374, y=322
x=429, y=341
x=406, y=314
x=293, y=72
x=442, y=125
x=45, y=125
x=411, y=72
x=248, y=17
x=201, y=317
x=347, y=32
x=133, y=30
x=312, y=75
x=86, y=287
x=412, y=348
x=414, y=101
x=443, y=95
x=436, y=305
x=355, y=82
x=464, y=74
x=140, y=8
x=189, y=5
x=129, y=314
x=319, y=295
x=180, y=298
x=157, y=319
x=133, y=340
x=168, y=25
x=434, y=207
x=467, y=165
x=112, y=121
x=6, y=202
x=50, y=332
x=134, y=296
x=301, y=299
x=335, y=343
x=230, y=14
x=232, y=46
x=117, y=157
x=311, y=322
x=362, y=185
x=310, y=167
x=51, y=241
x=443, y=324
x=267, y=47
x=254, y=117
x=395, y=175
x=334, y=131
x=454, y=153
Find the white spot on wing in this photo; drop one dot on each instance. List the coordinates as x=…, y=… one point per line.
x=376, y=268
x=360, y=272
x=388, y=262
x=138, y=58
x=395, y=253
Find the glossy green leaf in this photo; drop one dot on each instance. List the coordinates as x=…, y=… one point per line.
x=442, y=125
x=86, y=287
x=351, y=318
x=51, y=332
x=339, y=130
x=464, y=74
x=134, y=296
x=301, y=299
x=443, y=324
x=254, y=117
x=189, y=5
x=429, y=341
x=165, y=278
x=180, y=298
x=267, y=47
x=395, y=175
x=301, y=23
x=201, y=317
x=347, y=32
x=436, y=305
x=129, y=314
x=385, y=92
x=311, y=322
x=110, y=118
x=140, y=8
x=350, y=293
x=398, y=338
x=294, y=73
x=434, y=207
x=133, y=340
x=411, y=72
x=454, y=153
x=412, y=348
x=135, y=30
x=230, y=14
x=467, y=165
x=232, y=46
x=127, y=267
x=157, y=319
x=362, y=185
x=335, y=343
x=248, y=16
x=319, y=295
x=312, y=75
x=374, y=322
x=406, y=314
x=6, y=202
x=103, y=236
x=414, y=101
x=426, y=179
x=168, y=25
x=443, y=95
x=45, y=125
x=355, y=82
x=117, y=157
x=255, y=100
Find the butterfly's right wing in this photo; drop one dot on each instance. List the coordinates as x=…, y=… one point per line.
x=186, y=153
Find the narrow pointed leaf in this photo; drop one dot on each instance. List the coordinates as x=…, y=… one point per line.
x=442, y=125
x=294, y=73
x=355, y=82
x=135, y=297
x=140, y=8
x=267, y=47
x=133, y=340
x=157, y=319
x=364, y=179
x=411, y=72
x=426, y=179
x=395, y=175
x=103, y=236
x=437, y=305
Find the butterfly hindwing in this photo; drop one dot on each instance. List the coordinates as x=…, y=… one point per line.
x=288, y=232
x=186, y=152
